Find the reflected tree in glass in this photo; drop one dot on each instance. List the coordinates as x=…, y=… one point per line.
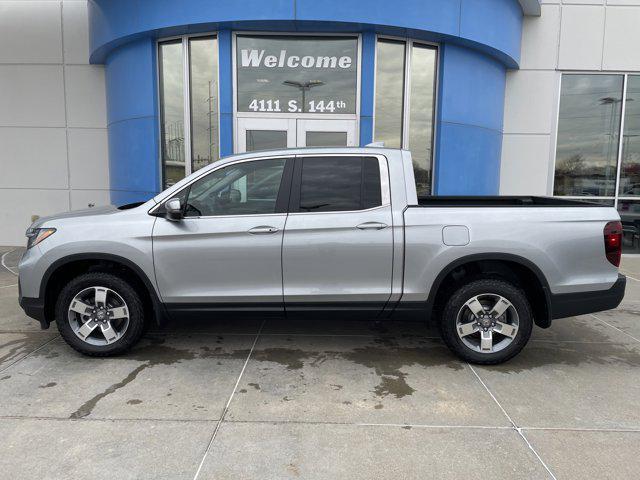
x=630, y=162
x=203, y=70
x=171, y=111
x=389, y=95
x=423, y=67
x=588, y=133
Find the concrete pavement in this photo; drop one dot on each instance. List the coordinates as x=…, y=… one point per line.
x=322, y=399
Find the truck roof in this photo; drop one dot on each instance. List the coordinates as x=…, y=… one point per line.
x=310, y=150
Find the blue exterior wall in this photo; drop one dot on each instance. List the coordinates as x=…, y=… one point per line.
x=479, y=40
x=132, y=120
x=469, y=123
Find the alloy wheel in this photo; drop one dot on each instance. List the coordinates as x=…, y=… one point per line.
x=487, y=323
x=98, y=316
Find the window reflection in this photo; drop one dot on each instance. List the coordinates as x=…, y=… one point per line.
x=630, y=169
x=389, y=92
x=391, y=75
x=588, y=129
x=172, y=111
x=289, y=74
x=249, y=188
x=423, y=65
x=629, y=211
x=266, y=140
x=339, y=184
x=326, y=139
x=203, y=69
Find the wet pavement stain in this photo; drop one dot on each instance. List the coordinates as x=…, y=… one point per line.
x=386, y=358
x=152, y=354
x=134, y=401
x=397, y=387
x=17, y=347
x=291, y=358
x=48, y=385
x=255, y=385
x=87, y=407
x=6, y=377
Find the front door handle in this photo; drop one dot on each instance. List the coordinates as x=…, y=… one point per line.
x=372, y=226
x=263, y=229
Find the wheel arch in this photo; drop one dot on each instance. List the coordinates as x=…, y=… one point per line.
x=501, y=265
x=72, y=265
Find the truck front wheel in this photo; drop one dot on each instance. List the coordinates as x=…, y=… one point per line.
x=487, y=321
x=99, y=314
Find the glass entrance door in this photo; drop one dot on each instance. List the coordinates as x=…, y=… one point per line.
x=326, y=133
x=265, y=134
x=277, y=133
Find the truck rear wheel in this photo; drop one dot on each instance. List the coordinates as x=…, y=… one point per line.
x=99, y=314
x=487, y=321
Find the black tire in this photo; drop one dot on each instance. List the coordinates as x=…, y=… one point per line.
x=479, y=287
x=133, y=331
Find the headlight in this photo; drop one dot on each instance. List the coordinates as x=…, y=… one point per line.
x=36, y=235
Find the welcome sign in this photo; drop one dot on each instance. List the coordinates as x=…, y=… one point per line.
x=258, y=58
x=288, y=74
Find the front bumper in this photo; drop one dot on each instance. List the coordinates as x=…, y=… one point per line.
x=33, y=307
x=580, y=303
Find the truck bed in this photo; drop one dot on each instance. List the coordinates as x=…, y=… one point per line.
x=501, y=201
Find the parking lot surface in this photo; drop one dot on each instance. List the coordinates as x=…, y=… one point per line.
x=320, y=399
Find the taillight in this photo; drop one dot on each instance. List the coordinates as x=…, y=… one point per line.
x=613, y=242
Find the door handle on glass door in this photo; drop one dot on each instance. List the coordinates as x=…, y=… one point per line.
x=263, y=229
x=372, y=226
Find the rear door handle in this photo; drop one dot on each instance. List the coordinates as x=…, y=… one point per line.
x=372, y=226
x=263, y=229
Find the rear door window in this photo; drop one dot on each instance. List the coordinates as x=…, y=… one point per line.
x=330, y=184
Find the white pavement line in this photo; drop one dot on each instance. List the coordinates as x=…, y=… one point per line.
x=628, y=275
x=7, y=286
x=614, y=327
x=30, y=353
x=583, y=429
x=5, y=265
x=226, y=407
x=515, y=427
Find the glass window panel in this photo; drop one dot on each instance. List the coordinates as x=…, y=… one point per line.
x=371, y=188
x=588, y=129
x=249, y=188
x=339, y=184
x=629, y=211
x=389, y=93
x=296, y=74
x=326, y=139
x=630, y=170
x=266, y=140
x=203, y=66
x=172, y=111
x=421, y=98
x=330, y=184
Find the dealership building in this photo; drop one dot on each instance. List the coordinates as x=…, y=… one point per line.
x=110, y=101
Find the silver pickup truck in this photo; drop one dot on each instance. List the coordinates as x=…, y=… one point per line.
x=331, y=231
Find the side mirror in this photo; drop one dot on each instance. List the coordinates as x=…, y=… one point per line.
x=173, y=209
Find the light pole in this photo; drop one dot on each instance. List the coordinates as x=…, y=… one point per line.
x=303, y=87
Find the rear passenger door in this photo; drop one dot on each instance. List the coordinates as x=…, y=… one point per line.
x=338, y=245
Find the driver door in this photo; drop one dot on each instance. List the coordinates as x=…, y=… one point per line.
x=226, y=251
